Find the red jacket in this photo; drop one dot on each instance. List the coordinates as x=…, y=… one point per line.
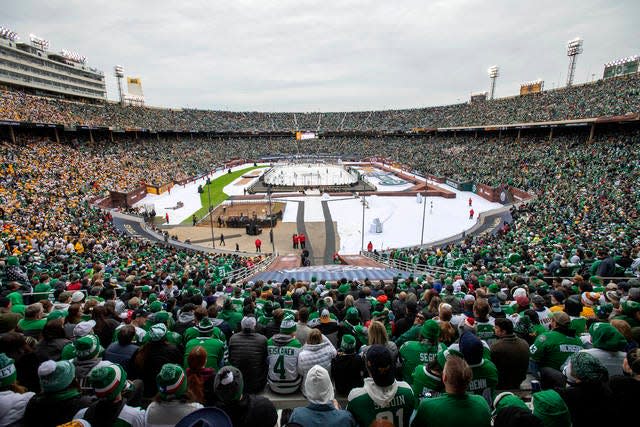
x=258, y=242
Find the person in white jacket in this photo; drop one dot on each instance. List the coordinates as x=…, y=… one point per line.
x=318, y=350
x=13, y=398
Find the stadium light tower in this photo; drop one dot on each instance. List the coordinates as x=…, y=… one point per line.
x=119, y=73
x=574, y=48
x=494, y=73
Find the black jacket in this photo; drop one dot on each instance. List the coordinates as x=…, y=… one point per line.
x=510, y=354
x=44, y=411
x=248, y=353
x=148, y=362
x=348, y=372
x=250, y=411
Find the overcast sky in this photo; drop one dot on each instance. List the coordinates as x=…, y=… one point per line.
x=325, y=55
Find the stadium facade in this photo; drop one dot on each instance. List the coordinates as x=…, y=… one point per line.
x=28, y=67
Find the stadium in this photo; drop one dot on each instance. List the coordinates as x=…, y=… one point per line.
x=169, y=266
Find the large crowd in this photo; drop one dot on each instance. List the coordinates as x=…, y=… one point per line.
x=607, y=97
x=105, y=329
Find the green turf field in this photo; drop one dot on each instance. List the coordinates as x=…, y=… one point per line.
x=217, y=195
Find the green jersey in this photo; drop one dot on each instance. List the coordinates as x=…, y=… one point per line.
x=453, y=411
x=31, y=325
x=552, y=349
x=396, y=409
x=214, y=347
x=192, y=333
x=426, y=384
x=485, y=375
x=485, y=331
x=414, y=353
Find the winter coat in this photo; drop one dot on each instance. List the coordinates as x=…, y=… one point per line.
x=156, y=354
x=315, y=354
x=251, y=411
x=50, y=349
x=43, y=410
x=510, y=354
x=364, y=308
x=121, y=354
x=248, y=353
x=166, y=414
x=12, y=406
x=347, y=370
x=316, y=415
x=185, y=320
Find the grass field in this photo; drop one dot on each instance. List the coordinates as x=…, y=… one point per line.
x=217, y=195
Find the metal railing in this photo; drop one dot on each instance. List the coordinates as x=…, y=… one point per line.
x=404, y=265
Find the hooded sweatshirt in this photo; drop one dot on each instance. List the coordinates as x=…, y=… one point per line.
x=12, y=406
x=368, y=403
x=608, y=344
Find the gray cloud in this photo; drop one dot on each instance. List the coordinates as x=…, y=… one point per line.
x=308, y=55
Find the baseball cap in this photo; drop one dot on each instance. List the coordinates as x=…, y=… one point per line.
x=380, y=365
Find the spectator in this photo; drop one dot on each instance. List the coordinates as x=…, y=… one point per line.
x=283, y=350
x=123, y=350
x=172, y=402
x=244, y=409
x=382, y=396
x=248, y=353
x=323, y=409
x=457, y=406
x=347, y=368
x=510, y=354
x=60, y=398
x=317, y=351
x=13, y=397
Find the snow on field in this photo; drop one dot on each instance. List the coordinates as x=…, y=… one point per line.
x=401, y=217
x=187, y=194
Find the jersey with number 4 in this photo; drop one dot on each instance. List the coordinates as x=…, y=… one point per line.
x=283, y=353
x=397, y=410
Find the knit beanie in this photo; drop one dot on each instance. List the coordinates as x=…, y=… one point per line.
x=87, y=347
x=348, y=343
x=507, y=399
x=551, y=409
x=590, y=298
x=228, y=384
x=56, y=376
x=205, y=327
x=586, y=368
x=606, y=337
x=7, y=371
x=155, y=306
x=288, y=325
x=318, y=387
x=171, y=380
x=108, y=381
x=157, y=332
x=471, y=348
x=430, y=330
x=352, y=315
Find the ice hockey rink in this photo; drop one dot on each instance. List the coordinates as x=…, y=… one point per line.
x=400, y=217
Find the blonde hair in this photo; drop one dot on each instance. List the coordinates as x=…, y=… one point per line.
x=457, y=374
x=348, y=301
x=377, y=333
x=315, y=337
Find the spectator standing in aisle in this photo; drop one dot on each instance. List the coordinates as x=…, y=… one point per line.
x=258, y=243
x=302, y=239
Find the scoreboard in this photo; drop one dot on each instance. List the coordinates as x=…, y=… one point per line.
x=621, y=67
x=531, y=87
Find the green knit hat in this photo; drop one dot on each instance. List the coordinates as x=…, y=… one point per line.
x=87, y=347
x=155, y=306
x=551, y=409
x=171, y=380
x=606, y=337
x=12, y=260
x=205, y=327
x=586, y=368
x=157, y=332
x=7, y=371
x=430, y=330
x=507, y=399
x=348, y=343
x=56, y=376
x=288, y=325
x=344, y=289
x=108, y=381
x=352, y=315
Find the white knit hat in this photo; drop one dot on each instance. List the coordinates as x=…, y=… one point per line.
x=318, y=387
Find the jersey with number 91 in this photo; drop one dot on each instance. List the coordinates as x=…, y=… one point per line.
x=395, y=412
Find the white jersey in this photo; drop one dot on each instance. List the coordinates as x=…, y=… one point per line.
x=283, y=374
